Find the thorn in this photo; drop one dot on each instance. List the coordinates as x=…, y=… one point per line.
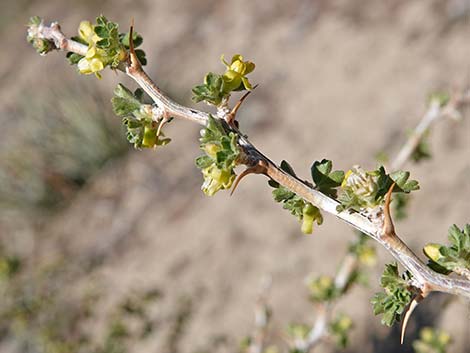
x=233, y=113
x=388, y=227
x=160, y=126
x=133, y=60
x=414, y=303
x=259, y=168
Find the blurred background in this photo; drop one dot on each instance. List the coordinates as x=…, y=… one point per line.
x=107, y=249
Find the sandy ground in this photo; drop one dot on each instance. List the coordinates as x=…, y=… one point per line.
x=341, y=80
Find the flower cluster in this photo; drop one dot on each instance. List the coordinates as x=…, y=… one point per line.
x=362, y=190
x=95, y=59
x=219, y=159
x=106, y=46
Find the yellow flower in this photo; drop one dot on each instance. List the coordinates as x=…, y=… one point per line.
x=89, y=66
x=94, y=60
x=235, y=76
x=310, y=214
x=216, y=179
x=87, y=33
x=432, y=251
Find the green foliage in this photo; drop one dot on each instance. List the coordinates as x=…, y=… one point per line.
x=217, y=88
x=325, y=180
x=138, y=118
x=298, y=207
x=366, y=189
x=432, y=340
x=340, y=328
x=211, y=91
x=106, y=46
x=41, y=45
x=322, y=289
x=220, y=158
x=392, y=303
x=453, y=258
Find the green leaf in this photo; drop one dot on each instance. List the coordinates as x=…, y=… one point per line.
x=453, y=258
x=325, y=180
x=203, y=162
x=101, y=31
x=34, y=21
x=211, y=91
x=282, y=194
x=392, y=303
x=124, y=101
x=141, y=56
x=125, y=39
x=73, y=58
x=285, y=166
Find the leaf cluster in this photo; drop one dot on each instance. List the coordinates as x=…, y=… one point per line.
x=218, y=87
x=392, y=303
x=325, y=180
x=453, y=258
x=211, y=91
x=297, y=206
x=137, y=117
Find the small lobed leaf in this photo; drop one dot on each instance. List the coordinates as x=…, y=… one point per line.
x=124, y=101
x=285, y=166
x=392, y=303
x=325, y=180
x=453, y=258
x=211, y=91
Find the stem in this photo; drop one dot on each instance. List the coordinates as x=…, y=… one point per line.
x=371, y=226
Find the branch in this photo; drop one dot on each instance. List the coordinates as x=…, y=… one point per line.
x=437, y=110
x=372, y=225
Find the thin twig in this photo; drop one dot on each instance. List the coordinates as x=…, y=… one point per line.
x=434, y=113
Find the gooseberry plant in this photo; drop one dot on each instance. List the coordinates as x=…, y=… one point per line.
x=358, y=197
